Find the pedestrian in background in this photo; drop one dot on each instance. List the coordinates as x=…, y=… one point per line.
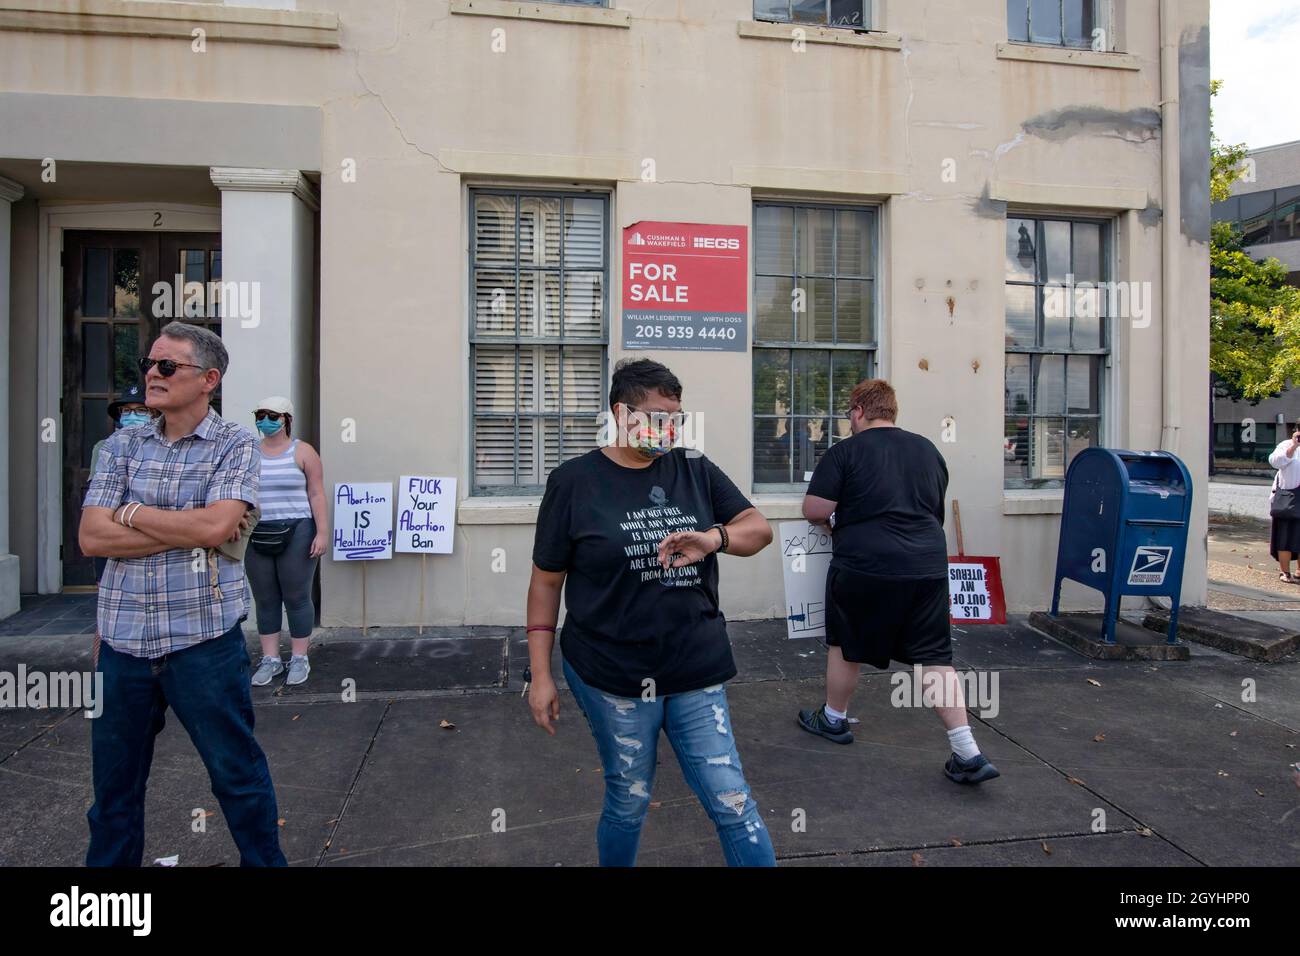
x=126, y=411
x=1284, y=506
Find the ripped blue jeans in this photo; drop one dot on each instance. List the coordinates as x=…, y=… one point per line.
x=698, y=725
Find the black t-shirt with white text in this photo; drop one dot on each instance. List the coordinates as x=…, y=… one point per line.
x=628, y=620
x=889, y=485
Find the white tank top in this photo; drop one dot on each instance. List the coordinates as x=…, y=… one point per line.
x=283, y=495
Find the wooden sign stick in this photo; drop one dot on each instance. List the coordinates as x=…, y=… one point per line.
x=420, y=628
x=363, y=597
x=956, y=517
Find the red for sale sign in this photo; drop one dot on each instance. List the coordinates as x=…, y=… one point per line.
x=685, y=286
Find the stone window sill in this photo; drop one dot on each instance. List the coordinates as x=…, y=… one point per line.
x=1032, y=502
x=779, y=507
x=149, y=18
x=1068, y=56
x=503, y=510
x=785, y=32
x=550, y=12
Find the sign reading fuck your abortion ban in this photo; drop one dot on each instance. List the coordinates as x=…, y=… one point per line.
x=426, y=514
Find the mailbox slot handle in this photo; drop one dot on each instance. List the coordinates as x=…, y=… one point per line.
x=1154, y=522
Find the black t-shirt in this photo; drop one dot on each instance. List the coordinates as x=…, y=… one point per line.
x=890, y=486
x=628, y=619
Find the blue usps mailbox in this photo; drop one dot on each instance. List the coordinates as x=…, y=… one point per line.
x=1124, y=528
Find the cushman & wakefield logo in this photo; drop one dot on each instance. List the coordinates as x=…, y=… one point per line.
x=640, y=239
x=76, y=909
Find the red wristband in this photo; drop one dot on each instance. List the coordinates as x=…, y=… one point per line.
x=539, y=627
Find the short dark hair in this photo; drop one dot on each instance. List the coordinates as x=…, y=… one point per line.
x=633, y=378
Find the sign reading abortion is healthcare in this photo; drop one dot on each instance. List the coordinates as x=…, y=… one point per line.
x=685, y=286
x=426, y=514
x=363, y=521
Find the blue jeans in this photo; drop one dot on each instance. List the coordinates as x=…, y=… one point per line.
x=698, y=725
x=208, y=685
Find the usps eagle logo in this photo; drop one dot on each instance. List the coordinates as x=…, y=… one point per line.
x=1150, y=564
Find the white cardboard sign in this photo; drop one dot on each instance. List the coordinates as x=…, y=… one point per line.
x=363, y=521
x=426, y=515
x=805, y=559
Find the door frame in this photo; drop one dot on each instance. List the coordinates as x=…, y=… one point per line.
x=54, y=221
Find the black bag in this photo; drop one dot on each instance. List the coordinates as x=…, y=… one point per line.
x=1286, y=502
x=270, y=538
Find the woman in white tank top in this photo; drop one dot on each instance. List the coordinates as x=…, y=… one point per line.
x=287, y=542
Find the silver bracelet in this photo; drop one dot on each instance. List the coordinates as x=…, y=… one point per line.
x=131, y=514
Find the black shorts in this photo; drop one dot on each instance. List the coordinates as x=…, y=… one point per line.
x=874, y=620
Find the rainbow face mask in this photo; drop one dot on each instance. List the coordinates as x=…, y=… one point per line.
x=651, y=442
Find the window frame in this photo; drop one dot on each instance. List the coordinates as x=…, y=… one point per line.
x=1273, y=228
x=868, y=17
x=1103, y=416
x=1100, y=21
x=517, y=341
x=873, y=348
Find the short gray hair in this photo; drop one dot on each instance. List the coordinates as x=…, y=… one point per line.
x=209, y=351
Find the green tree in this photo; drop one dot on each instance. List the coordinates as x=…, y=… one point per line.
x=1254, y=313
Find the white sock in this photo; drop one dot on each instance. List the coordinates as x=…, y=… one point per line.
x=834, y=714
x=963, y=743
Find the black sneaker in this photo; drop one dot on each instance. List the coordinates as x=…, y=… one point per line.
x=976, y=770
x=816, y=722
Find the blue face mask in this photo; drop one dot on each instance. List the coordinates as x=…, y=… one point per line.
x=133, y=418
x=268, y=427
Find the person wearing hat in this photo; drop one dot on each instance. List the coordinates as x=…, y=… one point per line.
x=287, y=542
x=126, y=410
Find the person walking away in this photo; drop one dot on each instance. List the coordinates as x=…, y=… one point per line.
x=887, y=586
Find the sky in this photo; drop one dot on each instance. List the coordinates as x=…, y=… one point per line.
x=1255, y=51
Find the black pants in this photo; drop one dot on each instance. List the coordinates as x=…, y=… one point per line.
x=285, y=581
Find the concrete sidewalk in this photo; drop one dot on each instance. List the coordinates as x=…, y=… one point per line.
x=1182, y=769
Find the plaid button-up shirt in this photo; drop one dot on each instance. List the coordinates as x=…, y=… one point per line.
x=156, y=605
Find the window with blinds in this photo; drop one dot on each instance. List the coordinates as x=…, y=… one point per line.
x=815, y=332
x=539, y=281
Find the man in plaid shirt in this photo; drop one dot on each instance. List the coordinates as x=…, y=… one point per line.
x=170, y=612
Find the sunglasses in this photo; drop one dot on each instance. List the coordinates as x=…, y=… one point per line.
x=166, y=367
x=675, y=420
x=263, y=413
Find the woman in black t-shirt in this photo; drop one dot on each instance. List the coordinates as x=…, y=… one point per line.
x=629, y=533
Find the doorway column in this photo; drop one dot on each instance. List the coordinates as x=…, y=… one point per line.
x=268, y=236
x=10, y=193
